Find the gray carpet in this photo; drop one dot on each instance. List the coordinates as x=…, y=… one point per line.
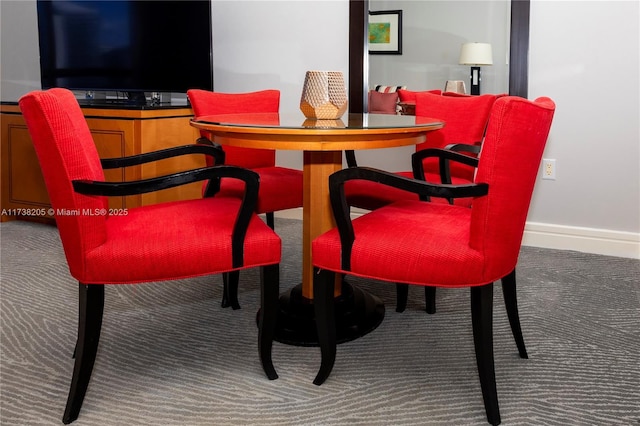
x=169, y=355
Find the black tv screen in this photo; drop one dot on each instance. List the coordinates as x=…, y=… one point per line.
x=129, y=46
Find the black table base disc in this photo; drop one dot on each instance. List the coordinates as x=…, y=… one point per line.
x=357, y=313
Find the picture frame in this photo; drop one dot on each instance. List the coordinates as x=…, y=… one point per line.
x=385, y=32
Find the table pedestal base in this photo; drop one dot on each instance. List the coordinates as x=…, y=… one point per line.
x=357, y=313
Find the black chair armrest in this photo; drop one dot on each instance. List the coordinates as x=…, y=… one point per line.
x=247, y=207
x=458, y=147
x=464, y=147
x=200, y=147
x=341, y=208
x=213, y=186
x=142, y=186
x=444, y=156
x=219, y=155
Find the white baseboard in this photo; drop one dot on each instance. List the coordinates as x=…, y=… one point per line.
x=587, y=240
x=561, y=237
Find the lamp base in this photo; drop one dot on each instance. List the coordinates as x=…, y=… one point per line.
x=475, y=80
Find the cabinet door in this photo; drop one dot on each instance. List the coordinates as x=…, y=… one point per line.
x=22, y=182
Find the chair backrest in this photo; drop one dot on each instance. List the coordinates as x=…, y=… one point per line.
x=465, y=120
x=410, y=95
x=509, y=163
x=66, y=152
x=205, y=102
x=465, y=117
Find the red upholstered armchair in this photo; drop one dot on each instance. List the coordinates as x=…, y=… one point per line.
x=465, y=120
x=280, y=187
x=167, y=241
x=438, y=244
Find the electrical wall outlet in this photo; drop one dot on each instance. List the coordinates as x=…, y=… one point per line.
x=549, y=169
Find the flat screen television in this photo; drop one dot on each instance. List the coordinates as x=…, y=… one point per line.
x=126, y=46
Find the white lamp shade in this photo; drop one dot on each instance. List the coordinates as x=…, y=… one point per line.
x=476, y=54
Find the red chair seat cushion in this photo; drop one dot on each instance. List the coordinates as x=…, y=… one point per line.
x=272, y=195
x=430, y=242
x=200, y=243
x=371, y=195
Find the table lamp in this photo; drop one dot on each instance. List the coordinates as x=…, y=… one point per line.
x=476, y=54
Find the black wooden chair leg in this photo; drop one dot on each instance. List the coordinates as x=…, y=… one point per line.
x=271, y=223
x=90, y=311
x=230, y=289
x=269, y=306
x=323, y=285
x=430, y=299
x=482, y=320
x=402, y=294
x=511, y=303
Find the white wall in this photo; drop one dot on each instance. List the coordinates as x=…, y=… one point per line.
x=19, y=57
x=584, y=54
x=271, y=44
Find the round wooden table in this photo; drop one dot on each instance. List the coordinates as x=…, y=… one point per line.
x=322, y=143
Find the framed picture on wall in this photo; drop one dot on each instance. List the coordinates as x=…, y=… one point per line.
x=385, y=32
